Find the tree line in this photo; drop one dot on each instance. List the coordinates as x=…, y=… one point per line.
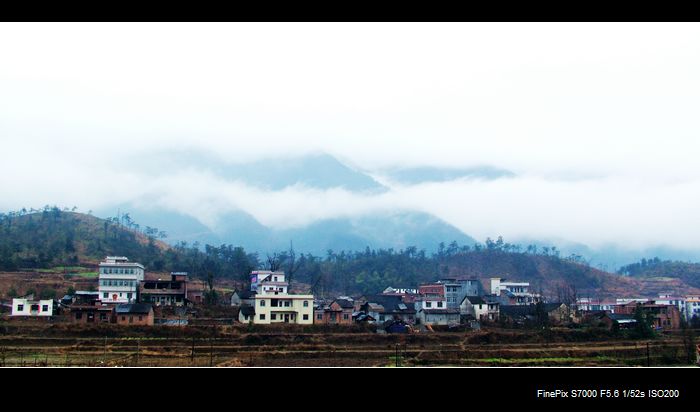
x=56, y=236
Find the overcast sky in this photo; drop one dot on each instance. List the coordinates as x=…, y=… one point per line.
x=599, y=122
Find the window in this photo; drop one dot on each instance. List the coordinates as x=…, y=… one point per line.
x=287, y=303
x=131, y=319
x=306, y=317
x=123, y=318
x=262, y=316
x=140, y=317
x=128, y=296
x=20, y=308
x=34, y=308
x=45, y=308
x=319, y=316
x=428, y=304
x=439, y=304
x=381, y=318
x=275, y=279
x=345, y=316
x=306, y=303
x=262, y=303
x=273, y=316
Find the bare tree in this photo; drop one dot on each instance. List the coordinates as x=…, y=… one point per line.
x=274, y=262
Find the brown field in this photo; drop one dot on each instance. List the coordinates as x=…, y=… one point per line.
x=44, y=344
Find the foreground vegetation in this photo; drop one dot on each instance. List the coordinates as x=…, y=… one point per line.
x=291, y=345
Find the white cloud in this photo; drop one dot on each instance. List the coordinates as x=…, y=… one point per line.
x=598, y=120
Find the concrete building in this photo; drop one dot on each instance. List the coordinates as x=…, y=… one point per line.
x=29, y=307
x=594, y=305
x=431, y=296
x=513, y=293
x=92, y=314
x=257, y=277
x=119, y=280
x=668, y=299
x=457, y=288
x=481, y=309
x=337, y=312
x=273, y=303
x=165, y=292
x=692, y=307
x=664, y=316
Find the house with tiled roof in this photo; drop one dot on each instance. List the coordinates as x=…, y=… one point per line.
x=339, y=311
x=481, y=308
x=387, y=307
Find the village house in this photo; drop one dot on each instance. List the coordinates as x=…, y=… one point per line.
x=480, y=308
x=28, y=306
x=119, y=280
x=457, y=288
x=431, y=296
x=431, y=306
x=195, y=291
x=339, y=311
x=243, y=297
x=523, y=314
x=246, y=314
x=513, y=293
x=609, y=320
x=668, y=299
x=273, y=302
x=134, y=314
x=92, y=313
x=594, y=305
x=692, y=307
x=164, y=292
x=664, y=316
x=388, y=307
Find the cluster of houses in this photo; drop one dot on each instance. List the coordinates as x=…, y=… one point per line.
x=127, y=295
x=450, y=301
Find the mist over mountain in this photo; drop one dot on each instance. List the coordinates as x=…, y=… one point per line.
x=315, y=170
x=388, y=227
x=417, y=175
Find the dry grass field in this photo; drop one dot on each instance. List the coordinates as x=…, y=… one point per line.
x=110, y=346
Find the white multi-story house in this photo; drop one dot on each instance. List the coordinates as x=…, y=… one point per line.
x=482, y=309
x=119, y=280
x=594, y=305
x=274, y=303
x=513, y=293
x=31, y=307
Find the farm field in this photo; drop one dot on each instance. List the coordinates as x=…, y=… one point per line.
x=58, y=345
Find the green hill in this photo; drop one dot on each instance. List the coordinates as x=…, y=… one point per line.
x=686, y=272
x=53, y=237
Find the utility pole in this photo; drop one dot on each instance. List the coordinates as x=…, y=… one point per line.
x=192, y=353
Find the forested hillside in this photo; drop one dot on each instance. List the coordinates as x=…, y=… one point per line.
x=54, y=237
x=687, y=272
